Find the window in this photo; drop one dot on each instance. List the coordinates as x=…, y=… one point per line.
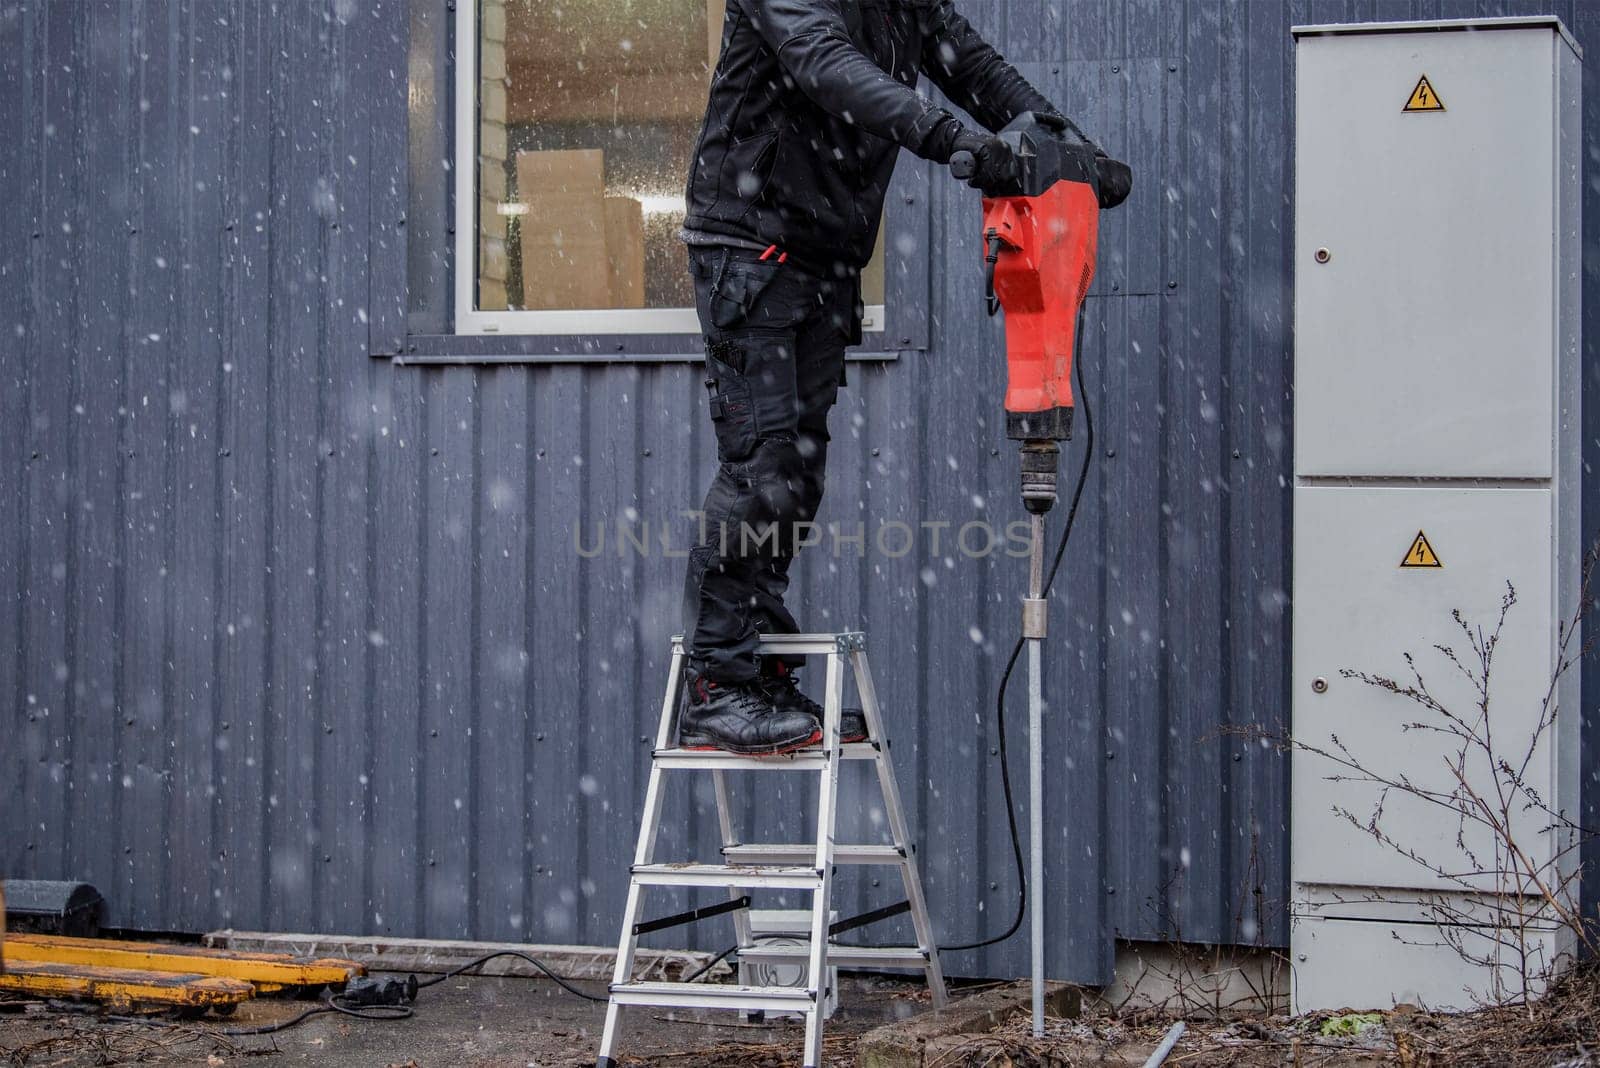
x=575, y=123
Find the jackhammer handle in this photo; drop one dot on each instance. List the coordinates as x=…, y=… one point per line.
x=963, y=165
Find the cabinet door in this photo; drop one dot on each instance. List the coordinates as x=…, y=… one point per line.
x=1424, y=344
x=1356, y=608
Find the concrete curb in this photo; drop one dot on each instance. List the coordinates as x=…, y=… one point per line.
x=443, y=955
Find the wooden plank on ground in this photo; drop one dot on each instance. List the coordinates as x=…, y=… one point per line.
x=268, y=972
x=122, y=988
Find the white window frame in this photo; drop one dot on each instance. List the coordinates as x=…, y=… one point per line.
x=468, y=318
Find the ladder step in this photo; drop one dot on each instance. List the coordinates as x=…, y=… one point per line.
x=819, y=644
x=695, y=760
x=728, y=875
x=706, y=996
x=764, y=853
x=800, y=760
x=838, y=956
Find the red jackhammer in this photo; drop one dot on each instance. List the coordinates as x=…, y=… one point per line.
x=1040, y=239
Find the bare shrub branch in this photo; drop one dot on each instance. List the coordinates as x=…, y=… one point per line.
x=1513, y=876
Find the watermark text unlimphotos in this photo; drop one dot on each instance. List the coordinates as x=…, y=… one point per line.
x=892, y=538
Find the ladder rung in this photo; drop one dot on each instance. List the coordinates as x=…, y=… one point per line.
x=801, y=760
x=706, y=996
x=764, y=853
x=734, y=875
x=820, y=644
x=840, y=956
x=695, y=760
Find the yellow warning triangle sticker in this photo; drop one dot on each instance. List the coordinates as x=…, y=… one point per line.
x=1423, y=98
x=1421, y=554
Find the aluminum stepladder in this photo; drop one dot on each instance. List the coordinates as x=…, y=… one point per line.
x=745, y=867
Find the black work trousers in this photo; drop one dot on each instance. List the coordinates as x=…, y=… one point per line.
x=775, y=338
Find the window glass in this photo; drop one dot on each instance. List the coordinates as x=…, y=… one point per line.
x=587, y=115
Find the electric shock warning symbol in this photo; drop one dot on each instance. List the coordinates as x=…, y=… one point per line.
x=1423, y=98
x=1421, y=554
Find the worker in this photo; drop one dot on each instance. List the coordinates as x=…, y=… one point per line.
x=810, y=104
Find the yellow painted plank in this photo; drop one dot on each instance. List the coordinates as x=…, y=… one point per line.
x=121, y=987
x=268, y=971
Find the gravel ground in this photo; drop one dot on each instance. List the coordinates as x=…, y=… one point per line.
x=466, y=1022
x=512, y=1023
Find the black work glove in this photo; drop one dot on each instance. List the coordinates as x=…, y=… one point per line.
x=997, y=164
x=1115, y=179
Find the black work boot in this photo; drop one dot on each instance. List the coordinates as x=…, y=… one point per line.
x=741, y=718
x=781, y=683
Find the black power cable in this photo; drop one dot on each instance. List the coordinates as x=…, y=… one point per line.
x=725, y=954
x=1016, y=651
x=396, y=1009
x=335, y=1002
x=331, y=1003
x=535, y=961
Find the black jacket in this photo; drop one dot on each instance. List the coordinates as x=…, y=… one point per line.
x=811, y=102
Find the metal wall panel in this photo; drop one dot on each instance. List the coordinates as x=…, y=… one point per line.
x=297, y=639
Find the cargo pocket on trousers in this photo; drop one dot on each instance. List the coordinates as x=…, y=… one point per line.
x=732, y=409
x=739, y=286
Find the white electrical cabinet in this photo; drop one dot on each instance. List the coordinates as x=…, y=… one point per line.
x=1437, y=467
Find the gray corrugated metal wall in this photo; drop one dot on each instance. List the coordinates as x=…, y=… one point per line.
x=298, y=639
